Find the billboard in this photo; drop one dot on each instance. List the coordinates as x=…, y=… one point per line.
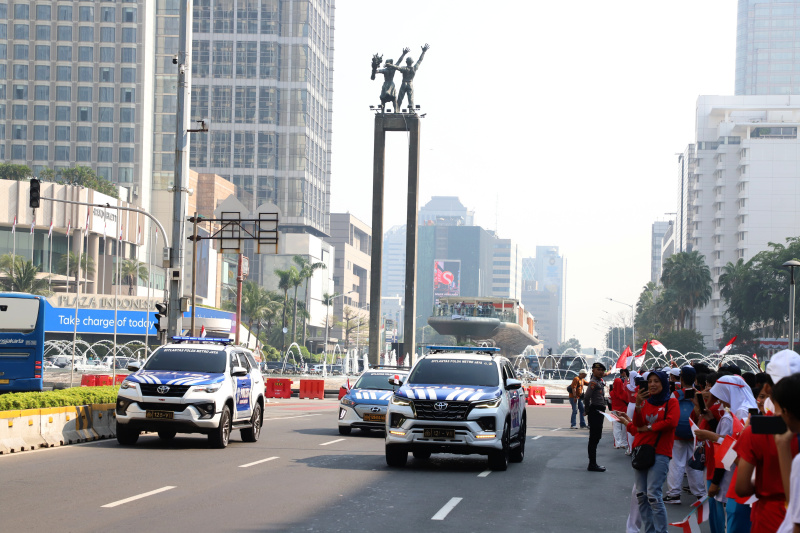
x=446, y=278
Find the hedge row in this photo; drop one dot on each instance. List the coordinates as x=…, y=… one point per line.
x=58, y=398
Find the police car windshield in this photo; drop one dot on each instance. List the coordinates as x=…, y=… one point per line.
x=377, y=381
x=206, y=359
x=441, y=371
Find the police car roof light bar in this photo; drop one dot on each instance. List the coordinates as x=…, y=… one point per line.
x=389, y=367
x=213, y=340
x=474, y=349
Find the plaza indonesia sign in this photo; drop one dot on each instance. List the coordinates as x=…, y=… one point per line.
x=134, y=316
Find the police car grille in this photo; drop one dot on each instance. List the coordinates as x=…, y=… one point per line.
x=155, y=406
x=455, y=410
x=175, y=391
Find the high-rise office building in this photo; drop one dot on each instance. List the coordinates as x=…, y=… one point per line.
x=744, y=194
x=767, y=35
x=393, y=265
x=445, y=211
x=659, y=229
x=79, y=88
x=548, y=309
x=506, y=269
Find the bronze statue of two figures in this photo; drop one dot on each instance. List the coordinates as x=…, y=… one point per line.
x=388, y=93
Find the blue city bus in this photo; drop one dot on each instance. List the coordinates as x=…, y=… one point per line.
x=21, y=341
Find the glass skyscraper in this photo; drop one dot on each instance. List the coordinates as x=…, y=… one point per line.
x=768, y=47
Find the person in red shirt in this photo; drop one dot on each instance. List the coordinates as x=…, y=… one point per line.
x=654, y=421
x=619, y=402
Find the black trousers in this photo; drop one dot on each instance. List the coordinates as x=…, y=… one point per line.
x=594, y=414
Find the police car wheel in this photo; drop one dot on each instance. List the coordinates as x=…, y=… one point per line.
x=345, y=430
x=253, y=433
x=498, y=459
x=126, y=436
x=396, y=456
x=518, y=453
x=422, y=456
x=167, y=434
x=219, y=437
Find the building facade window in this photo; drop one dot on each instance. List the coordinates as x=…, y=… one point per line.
x=62, y=133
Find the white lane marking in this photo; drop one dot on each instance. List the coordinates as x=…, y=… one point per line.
x=258, y=462
x=444, y=511
x=331, y=442
x=485, y=473
x=284, y=417
x=537, y=437
x=138, y=497
x=555, y=429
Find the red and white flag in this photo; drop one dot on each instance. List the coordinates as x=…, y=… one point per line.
x=202, y=331
x=694, y=429
x=14, y=225
x=639, y=359
x=50, y=232
x=724, y=453
x=755, y=357
x=348, y=383
x=33, y=223
x=121, y=229
x=69, y=226
x=87, y=220
x=728, y=346
x=657, y=346
x=139, y=236
x=698, y=515
x=624, y=358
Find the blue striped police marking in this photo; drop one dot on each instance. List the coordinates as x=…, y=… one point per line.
x=444, y=511
x=137, y=497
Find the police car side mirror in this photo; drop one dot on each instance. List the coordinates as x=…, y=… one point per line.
x=238, y=371
x=513, y=384
x=133, y=366
x=396, y=381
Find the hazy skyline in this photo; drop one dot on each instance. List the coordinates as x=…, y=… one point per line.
x=566, y=115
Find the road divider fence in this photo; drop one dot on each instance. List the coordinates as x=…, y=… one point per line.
x=278, y=388
x=312, y=388
x=536, y=395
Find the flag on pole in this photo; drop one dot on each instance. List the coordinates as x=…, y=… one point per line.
x=728, y=346
x=756, y=358
x=698, y=515
x=69, y=226
x=50, y=232
x=33, y=222
x=657, y=346
x=694, y=429
x=624, y=358
x=639, y=359
x=139, y=236
x=202, y=331
x=121, y=229
x=87, y=220
x=14, y=225
x=724, y=452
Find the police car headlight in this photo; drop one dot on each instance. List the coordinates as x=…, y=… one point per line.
x=128, y=385
x=214, y=387
x=488, y=404
x=348, y=402
x=399, y=400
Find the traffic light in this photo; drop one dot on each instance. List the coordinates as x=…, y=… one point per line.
x=35, y=193
x=161, y=317
x=549, y=351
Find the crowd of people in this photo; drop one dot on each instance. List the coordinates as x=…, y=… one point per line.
x=485, y=310
x=732, y=436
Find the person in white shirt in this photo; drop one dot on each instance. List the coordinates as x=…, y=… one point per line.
x=786, y=397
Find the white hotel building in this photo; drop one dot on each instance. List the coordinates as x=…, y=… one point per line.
x=744, y=190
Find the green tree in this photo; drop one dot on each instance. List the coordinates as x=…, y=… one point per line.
x=87, y=265
x=683, y=341
x=86, y=177
x=10, y=171
x=307, y=269
x=688, y=276
x=571, y=343
x=296, y=281
x=130, y=270
x=21, y=276
x=285, y=281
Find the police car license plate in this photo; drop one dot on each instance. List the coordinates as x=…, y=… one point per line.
x=159, y=414
x=432, y=433
x=370, y=417
x=4, y=381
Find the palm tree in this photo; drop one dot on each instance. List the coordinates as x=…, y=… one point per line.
x=22, y=277
x=285, y=278
x=688, y=275
x=87, y=265
x=327, y=299
x=296, y=281
x=130, y=270
x=307, y=269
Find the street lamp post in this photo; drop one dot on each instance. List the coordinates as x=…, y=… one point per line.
x=633, y=318
x=791, y=265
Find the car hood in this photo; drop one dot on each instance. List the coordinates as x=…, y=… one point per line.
x=159, y=377
x=439, y=392
x=370, y=396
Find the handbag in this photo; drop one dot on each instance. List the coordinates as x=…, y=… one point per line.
x=644, y=455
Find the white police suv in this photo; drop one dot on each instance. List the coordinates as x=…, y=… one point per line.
x=458, y=400
x=364, y=405
x=193, y=385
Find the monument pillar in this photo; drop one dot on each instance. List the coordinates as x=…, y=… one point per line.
x=404, y=122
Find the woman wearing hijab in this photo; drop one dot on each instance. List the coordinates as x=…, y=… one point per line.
x=655, y=417
x=737, y=398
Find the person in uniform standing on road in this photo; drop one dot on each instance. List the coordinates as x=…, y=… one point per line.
x=576, y=398
x=595, y=398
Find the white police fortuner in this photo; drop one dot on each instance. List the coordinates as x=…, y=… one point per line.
x=458, y=400
x=194, y=385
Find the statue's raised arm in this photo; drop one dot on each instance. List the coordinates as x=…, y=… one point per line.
x=424, y=49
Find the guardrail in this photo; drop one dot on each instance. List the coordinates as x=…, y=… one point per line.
x=28, y=429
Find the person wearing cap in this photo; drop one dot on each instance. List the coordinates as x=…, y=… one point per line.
x=595, y=398
x=576, y=398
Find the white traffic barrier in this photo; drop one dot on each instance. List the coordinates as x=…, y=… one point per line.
x=19, y=430
x=103, y=420
x=51, y=424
